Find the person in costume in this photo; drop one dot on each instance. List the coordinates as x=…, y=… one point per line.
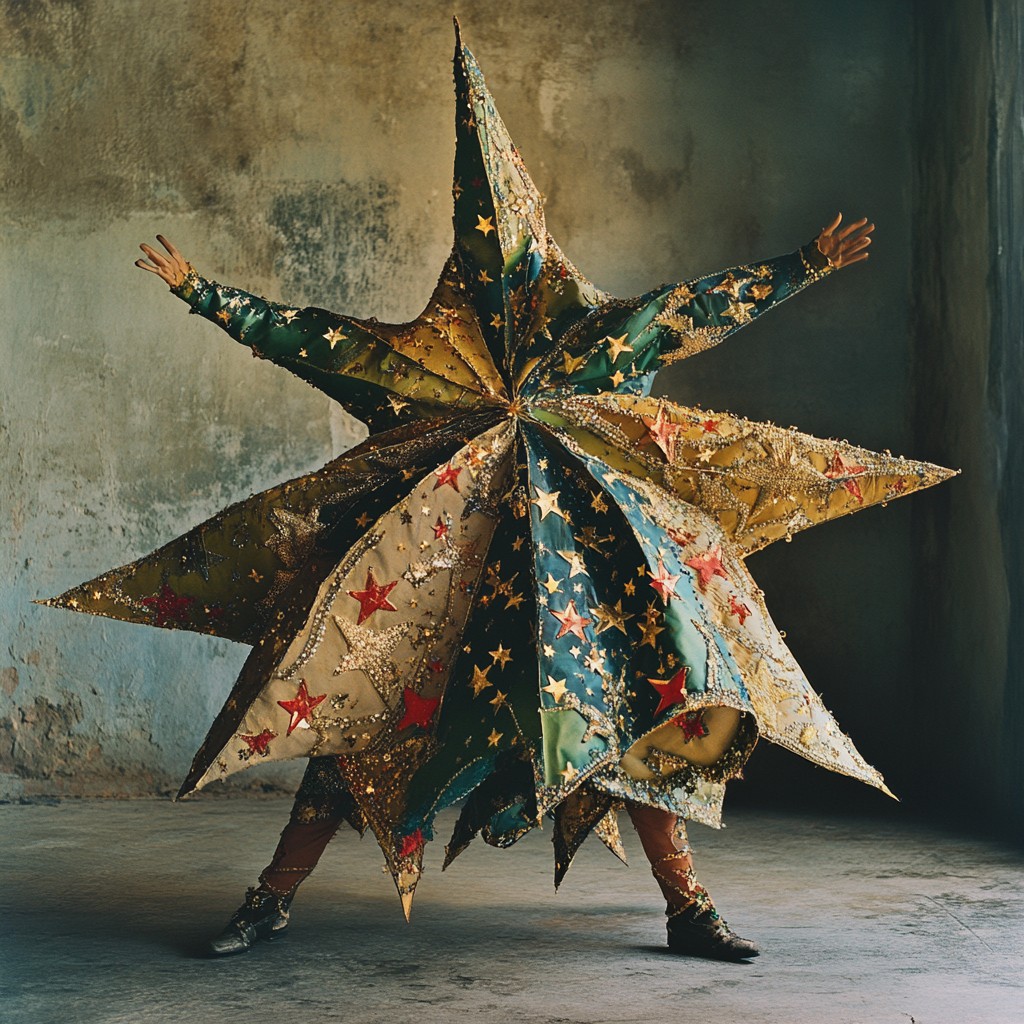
x=526, y=590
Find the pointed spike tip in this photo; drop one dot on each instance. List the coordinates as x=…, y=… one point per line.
x=407, y=904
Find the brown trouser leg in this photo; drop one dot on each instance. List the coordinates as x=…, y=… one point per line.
x=321, y=805
x=663, y=837
x=298, y=852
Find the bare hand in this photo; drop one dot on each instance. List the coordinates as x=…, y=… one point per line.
x=849, y=245
x=171, y=270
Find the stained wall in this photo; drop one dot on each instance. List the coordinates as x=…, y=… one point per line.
x=304, y=151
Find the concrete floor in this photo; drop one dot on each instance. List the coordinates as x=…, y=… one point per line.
x=105, y=904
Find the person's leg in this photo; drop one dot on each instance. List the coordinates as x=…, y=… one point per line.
x=321, y=805
x=694, y=927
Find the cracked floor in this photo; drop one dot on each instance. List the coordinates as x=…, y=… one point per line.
x=106, y=904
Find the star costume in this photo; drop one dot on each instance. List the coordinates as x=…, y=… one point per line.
x=527, y=589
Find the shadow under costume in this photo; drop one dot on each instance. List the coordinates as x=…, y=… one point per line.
x=527, y=589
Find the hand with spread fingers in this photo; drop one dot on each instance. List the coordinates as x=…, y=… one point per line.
x=847, y=246
x=172, y=270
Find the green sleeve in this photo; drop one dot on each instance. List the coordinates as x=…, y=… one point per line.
x=343, y=357
x=701, y=313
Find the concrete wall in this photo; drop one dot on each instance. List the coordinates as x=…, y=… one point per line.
x=968, y=349
x=304, y=150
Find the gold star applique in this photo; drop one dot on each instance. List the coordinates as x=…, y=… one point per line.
x=551, y=584
x=575, y=560
x=397, y=405
x=484, y=225
x=610, y=617
x=334, y=335
x=594, y=662
x=498, y=701
x=573, y=363
x=480, y=682
x=364, y=519
x=223, y=316
x=556, y=687
x=617, y=378
x=484, y=278
x=547, y=502
x=598, y=504
x=501, y=654
x=517, y=543
x=629, y=588
x=568, y=773
x=731, y=285
x=494, y=738
x=616, y=346
x=497, y=321
x=739, y=311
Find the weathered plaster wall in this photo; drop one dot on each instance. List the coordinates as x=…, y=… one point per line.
x=303, y=150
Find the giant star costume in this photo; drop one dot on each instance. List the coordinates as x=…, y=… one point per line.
x=531, y=567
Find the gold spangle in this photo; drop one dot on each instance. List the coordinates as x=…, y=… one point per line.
x=808, y=735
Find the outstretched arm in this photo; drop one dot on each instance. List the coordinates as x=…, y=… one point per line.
x=345, y=358
x=271, y=330
x=704, y=312
x=623, y=344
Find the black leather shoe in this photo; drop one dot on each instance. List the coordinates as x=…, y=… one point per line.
x=693, y=933
x=263, y=917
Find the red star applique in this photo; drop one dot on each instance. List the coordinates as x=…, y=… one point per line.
x=447, y=475
x=672, y=691
x=664, y=582
x=710, y=426
x=681, y=537
x=571, y=620
x=662, y=432
x=692, y=725
x=739, y=609
x=411, y=844
x=373, y=598
x=259, y=744
x=441, y=528
x=418, y=710
x=168, y=605
x=839, y=468
x=707, y=567
x=301, y=708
